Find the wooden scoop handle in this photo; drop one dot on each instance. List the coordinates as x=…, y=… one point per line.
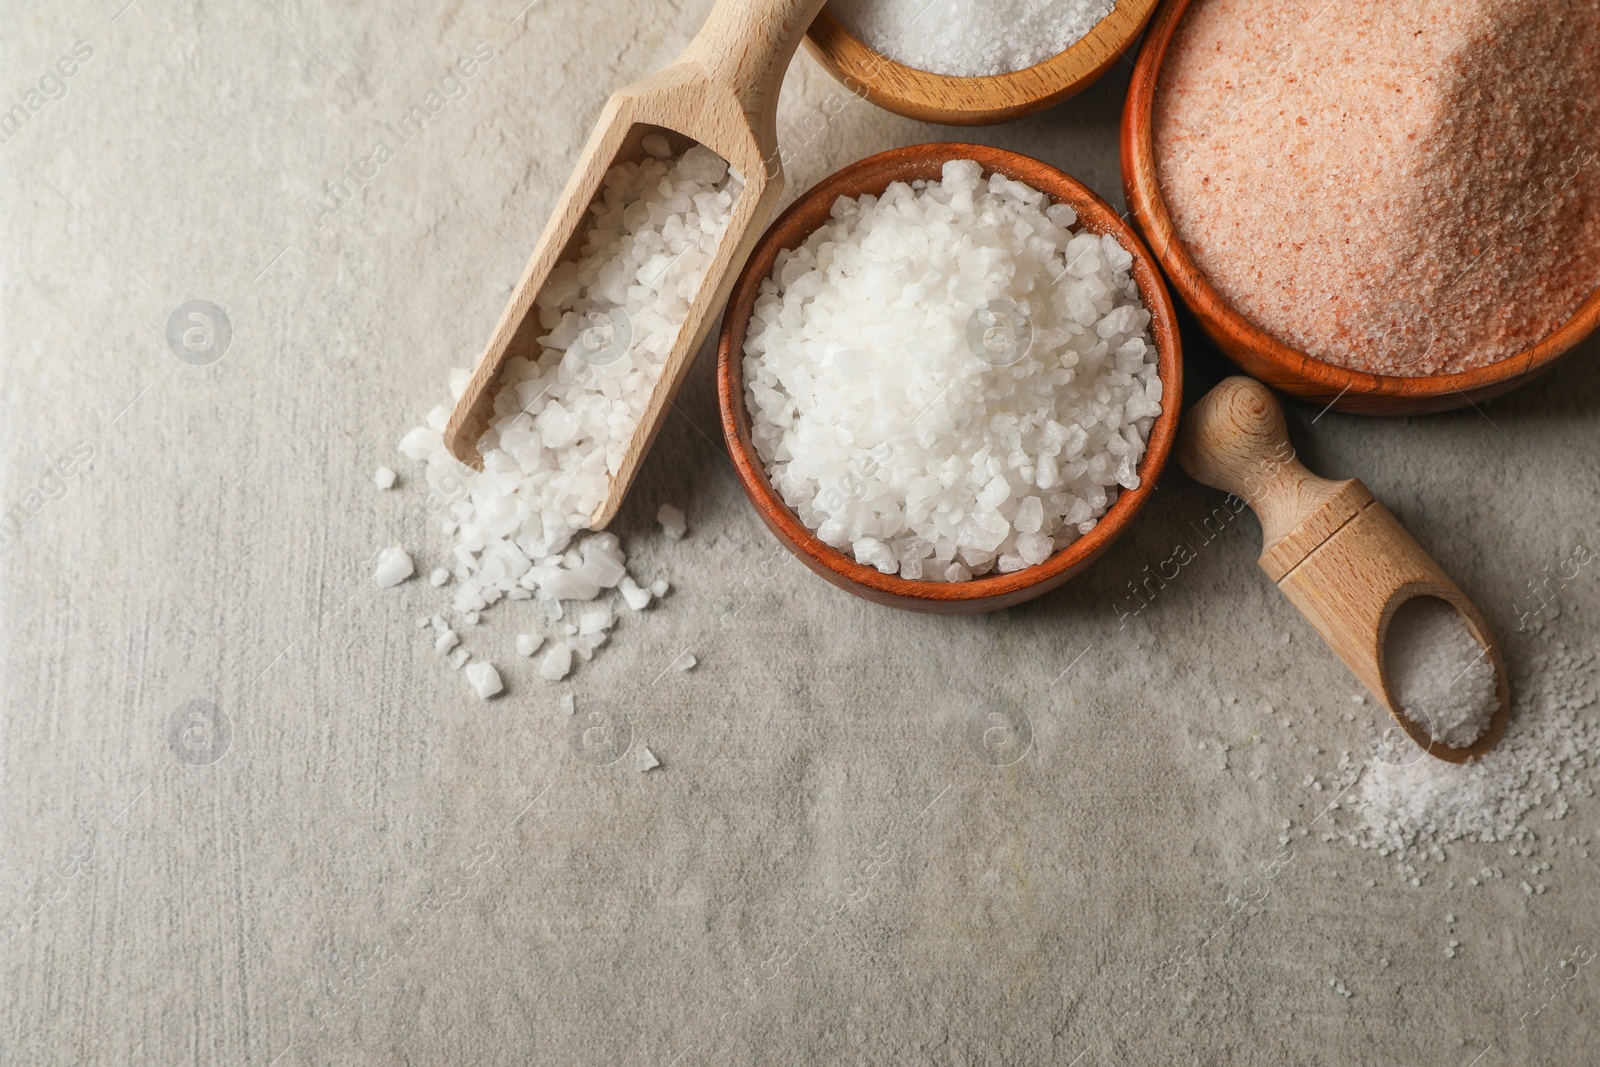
x=1235, y=439
x=746, y=45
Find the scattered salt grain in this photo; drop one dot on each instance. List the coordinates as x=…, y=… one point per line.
x=968, y=38
x=644, y=759
x=438, y=577
x=394, y=566
x=673, y=522
x=383, y=478
x=528, y=644
x=569, y=704
x=636, y=598
x=948, y=381
x=484, y=679
x=1442, y=678
x=471, y=618
x=458, y=658
x=446, y=641
x=557, y=663
x=659, y=588
x=685, y=662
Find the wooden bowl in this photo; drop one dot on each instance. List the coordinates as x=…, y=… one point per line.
x=873, y=175
x=955, y=101
x=1253, y=349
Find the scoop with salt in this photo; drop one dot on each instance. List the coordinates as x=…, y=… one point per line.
x=721, y=92
x=1349, y=566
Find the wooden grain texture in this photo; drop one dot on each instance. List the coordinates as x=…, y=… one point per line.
x=1339, y=556
x=1255, y=351
x=872, y=176
x=978, y=101
x=722, y=92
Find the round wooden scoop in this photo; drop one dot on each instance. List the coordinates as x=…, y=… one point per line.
x=1335, y=552
x=721, y=92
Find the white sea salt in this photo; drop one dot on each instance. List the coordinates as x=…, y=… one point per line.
x=969, y=37
x=383, y=478
x=438, y=577
x=528, y=644
x=685, y=662
x=659, y=588
x=673, y=522
x=458, y=658
x=644, y=759
x=569, y=704
x=1412, y=806
x=635, y=597
x=562, y=419
x=394, y=566
x=1441, y=676
x=556, y=664
x=484, y=679
x=948, y=380
x=446, y=641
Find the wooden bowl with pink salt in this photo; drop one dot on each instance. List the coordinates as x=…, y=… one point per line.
x=878, y=347
x=1389, y=209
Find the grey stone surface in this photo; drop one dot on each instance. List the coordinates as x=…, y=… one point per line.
x=368, y=865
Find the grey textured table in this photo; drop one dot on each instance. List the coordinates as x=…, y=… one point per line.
x=361, y=863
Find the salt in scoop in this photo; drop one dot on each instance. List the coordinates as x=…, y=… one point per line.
x=1337, y=553
x=721, y=92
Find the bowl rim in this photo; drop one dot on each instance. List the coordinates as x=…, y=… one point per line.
x=790, y=229
x=1256, y=351
x=973, y=100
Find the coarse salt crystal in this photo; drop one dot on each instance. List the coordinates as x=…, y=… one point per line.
x=394, y=566
x=528, y=644
x=484, y=679
x=673, y=522
x=557, y=663
x=383, y=478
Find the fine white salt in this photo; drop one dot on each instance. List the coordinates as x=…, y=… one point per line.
x=394, y=566
x=484, y=679
x=1411, y=806
x=1441, y=676
x=969, y=37
x=948, y=380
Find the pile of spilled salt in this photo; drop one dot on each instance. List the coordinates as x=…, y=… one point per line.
x=1406, y=188
x=947, y=380
x=562, y=420
x=1442, y=678
x=968, y=38
x=1411, y=806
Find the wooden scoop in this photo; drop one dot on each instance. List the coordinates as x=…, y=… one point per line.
x=1335, y=552
x=721, y=92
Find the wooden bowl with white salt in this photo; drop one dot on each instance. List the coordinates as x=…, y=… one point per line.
x=1293, y=289
x=986, y=592
x=981, y=99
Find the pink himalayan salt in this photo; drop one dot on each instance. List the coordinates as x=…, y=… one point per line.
x=1405, y=188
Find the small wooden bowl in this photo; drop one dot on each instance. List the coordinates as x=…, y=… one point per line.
x=872, y=176
x=1265, y=357
x=955, y=101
